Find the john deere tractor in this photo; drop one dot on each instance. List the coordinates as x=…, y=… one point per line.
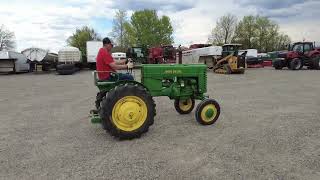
x=230, y=62
x=126, y=109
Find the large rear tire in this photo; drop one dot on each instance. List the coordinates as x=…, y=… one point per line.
x=184, y=106
x=127, y=111
x=66, y=69
x=277, y=65
x=295, y=64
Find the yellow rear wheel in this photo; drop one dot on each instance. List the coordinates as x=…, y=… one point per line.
x=127, y=111
x=184, y=106
x=208, y=112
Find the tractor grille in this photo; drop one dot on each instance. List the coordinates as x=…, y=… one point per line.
x=241, y=62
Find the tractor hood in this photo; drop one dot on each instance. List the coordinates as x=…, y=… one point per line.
x=282, y=55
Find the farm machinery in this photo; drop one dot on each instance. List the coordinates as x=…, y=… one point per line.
x=162, y=55
x=299, y=55
x=126, y=109
x=231, y=62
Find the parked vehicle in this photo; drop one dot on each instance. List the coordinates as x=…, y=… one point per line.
x=40, y=59
x=265, y=59
x=204, y=55
x=138, y=54
x=69, y=60
x=13, y=62
x=93, y=48
x=119, y=55
x=162, y=55
x=232, y=60
x=300, y=54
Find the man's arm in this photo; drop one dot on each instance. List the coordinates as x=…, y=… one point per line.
x=116, y=66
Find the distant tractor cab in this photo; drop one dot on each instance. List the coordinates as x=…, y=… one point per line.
x=137, y=54
x=300, y=54
x=231, y=62
x=229, y=49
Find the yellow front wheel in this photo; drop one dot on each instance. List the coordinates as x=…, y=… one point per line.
x=184, y=106
x=208, y=112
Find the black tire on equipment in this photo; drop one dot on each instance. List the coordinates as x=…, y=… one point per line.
x=111, y=99
x=200, y=107
x=277, y=65
x=316, y=63
x=179, y=110
x=227, y=69
x=241, y=71
x=295, y=64
x=66, y=69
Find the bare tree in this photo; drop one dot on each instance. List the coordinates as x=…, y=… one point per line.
x=118, y=28
x=7, y=41
x=224, y=31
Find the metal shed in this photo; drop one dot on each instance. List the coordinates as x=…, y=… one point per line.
x=11, y=61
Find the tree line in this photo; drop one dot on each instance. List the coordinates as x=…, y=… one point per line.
x=253, y=32
x=145, y=28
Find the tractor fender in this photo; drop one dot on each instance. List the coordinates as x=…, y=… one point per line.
x=314, y=53
x=130, y=82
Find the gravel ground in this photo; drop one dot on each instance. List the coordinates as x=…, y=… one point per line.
x=269, y=128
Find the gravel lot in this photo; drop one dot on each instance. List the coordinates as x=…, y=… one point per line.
x=269, y=128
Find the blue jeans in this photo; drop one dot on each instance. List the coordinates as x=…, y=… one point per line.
x=123, y=76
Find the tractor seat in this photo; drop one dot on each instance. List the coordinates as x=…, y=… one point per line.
x=113, y=78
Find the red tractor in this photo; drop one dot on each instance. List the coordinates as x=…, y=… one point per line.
x=299, y=55
x=162, y=55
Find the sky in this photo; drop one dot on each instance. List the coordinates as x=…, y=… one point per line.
x=47, y=24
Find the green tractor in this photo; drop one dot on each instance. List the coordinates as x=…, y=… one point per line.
x=126, y=109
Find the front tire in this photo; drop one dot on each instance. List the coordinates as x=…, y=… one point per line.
x=277, y=65
x=184, y=106
x=207, y=112
x=295, y=64
x=127, y=111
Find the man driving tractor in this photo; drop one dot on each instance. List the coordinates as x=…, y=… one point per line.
x=106, y=64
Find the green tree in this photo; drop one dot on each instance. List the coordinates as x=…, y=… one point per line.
x=224, y=31
x=147, y=29
x=246, y=32
x=118, y=29
x=7, y=41
x=260, y=33
x=80, y=37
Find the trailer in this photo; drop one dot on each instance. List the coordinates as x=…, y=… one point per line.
x=69, y=60
x=13, y=62
x=205, y=55
x=40, y=59
x=93, y=48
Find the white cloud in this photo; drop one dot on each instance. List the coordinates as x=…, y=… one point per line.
x=47, y=24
